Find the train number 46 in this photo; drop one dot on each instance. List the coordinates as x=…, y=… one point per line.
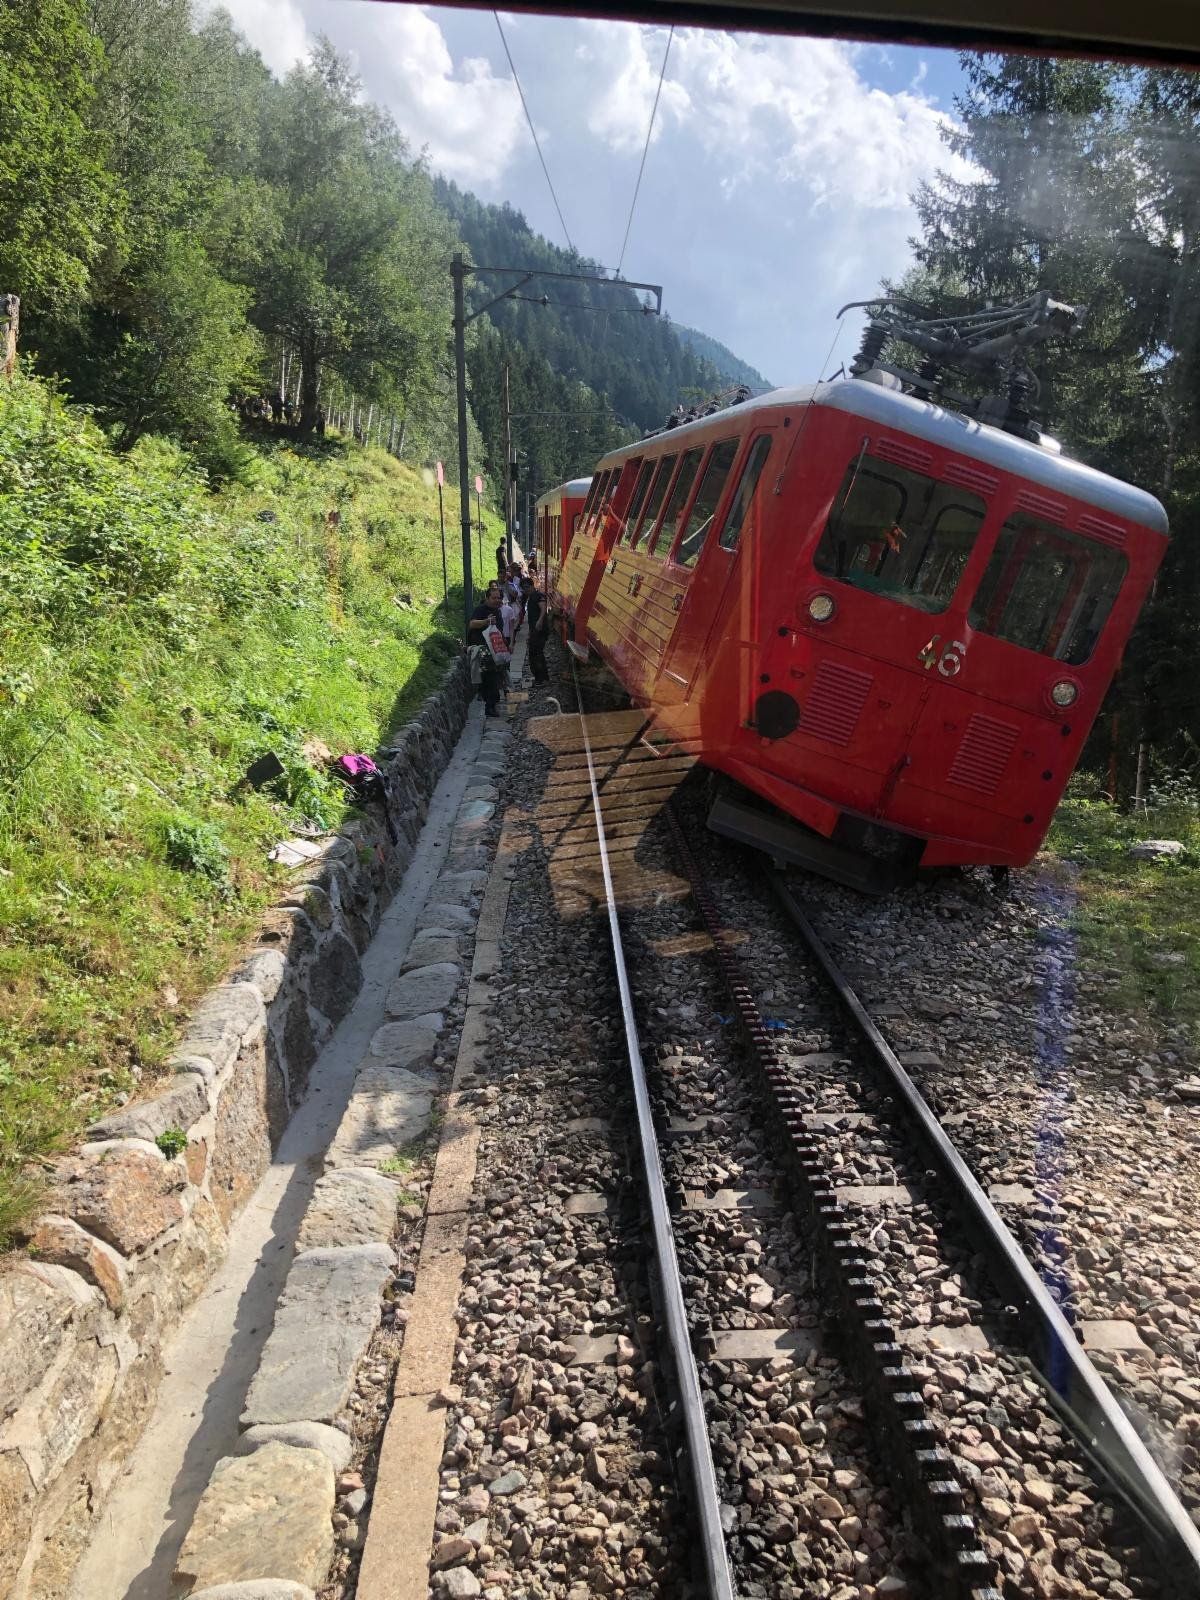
x=948, y=657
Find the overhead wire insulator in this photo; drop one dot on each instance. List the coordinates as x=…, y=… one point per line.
x=869, y=351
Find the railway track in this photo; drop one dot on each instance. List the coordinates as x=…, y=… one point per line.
x=937, y=1387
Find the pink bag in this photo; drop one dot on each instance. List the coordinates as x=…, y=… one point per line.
x=356, y=768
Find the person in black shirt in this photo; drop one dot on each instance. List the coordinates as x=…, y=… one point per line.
x=538, y=617
x=501, y=559
x=484, y=615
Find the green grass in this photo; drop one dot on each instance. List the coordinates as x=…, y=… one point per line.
x=156, y=637
x=1138, y=920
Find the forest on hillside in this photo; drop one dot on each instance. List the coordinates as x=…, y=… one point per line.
x=183, y=229
x=1087, y=184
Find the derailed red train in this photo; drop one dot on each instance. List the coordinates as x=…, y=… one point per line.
x=894, y=623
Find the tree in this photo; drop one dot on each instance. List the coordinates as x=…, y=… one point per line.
x=359, y=282
x=58, y=199
x=1085, y=184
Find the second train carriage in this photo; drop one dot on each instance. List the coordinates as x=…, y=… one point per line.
x=556, y=517
x=891, y=621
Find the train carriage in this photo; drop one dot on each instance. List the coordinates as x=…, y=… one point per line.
x=893, y=622
x=556, y=518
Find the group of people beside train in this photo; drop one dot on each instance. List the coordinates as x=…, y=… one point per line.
x=512, y=600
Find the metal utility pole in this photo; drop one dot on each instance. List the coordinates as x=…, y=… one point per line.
x=458, y=272
x=508, y=472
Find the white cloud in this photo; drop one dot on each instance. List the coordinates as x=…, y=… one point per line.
x=467, y=117
x=777, y=185
x=276, y=28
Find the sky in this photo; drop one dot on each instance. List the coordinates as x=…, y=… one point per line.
x=778, y=176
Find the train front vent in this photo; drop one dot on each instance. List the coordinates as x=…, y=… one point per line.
x=835, y=702
x=981, y=758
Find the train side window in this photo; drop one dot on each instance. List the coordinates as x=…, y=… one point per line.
x=593, y=491
x=655, y=498
x=680, y=490
x=592, y=520
x=635, y=505
x=756, y=461
x=1047, y=590
x=708, y=498
x=900, y=534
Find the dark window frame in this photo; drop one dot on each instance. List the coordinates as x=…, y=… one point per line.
x=839, y=559
x=652, y=505
x=748, y=475
x=701, y=479
x=1084, y=557
x=682, y=506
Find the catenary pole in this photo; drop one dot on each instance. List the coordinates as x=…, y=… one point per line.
x=523, y=275
x=508, y=484
x=458, y=272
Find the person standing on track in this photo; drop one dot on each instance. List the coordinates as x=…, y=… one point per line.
x=537, y=615
x=485, y=615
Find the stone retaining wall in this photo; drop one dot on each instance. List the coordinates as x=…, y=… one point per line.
x=264, y=1525
x=131, y=1235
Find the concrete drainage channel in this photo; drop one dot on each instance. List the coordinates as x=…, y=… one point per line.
x=211, y=1512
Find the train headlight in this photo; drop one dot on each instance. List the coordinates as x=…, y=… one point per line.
x=1064, y=693
x=821, y=607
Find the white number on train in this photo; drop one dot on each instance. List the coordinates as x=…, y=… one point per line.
x=948, y=658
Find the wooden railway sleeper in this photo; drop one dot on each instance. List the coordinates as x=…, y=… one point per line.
x=909, y=1440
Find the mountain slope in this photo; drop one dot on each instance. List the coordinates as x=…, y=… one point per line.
x=588, y=368
x=732, y=368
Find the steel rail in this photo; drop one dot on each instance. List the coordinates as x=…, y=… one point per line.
x=1082, y=1396
x=910, y=1441
x=695, y=1426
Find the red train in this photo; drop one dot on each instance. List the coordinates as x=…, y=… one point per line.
x=891, y=621
x=556, y=518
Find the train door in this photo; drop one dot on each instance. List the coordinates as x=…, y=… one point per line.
x=609, y=524
x=710, y=558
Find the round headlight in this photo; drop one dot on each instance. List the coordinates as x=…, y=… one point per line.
x=1064, y=693
x=821, y=607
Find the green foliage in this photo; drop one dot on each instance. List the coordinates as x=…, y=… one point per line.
x=359, y=281
x=172, y=1142
x=196, y=847
x=155, y=639
x=1085, y=184
x=1137, y=920
x=185, y=346
x=731, y=368
x=57, y=195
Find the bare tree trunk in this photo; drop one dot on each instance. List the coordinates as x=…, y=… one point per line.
x=310, y=387
x=10, y=330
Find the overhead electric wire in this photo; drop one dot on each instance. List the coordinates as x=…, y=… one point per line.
x=536, y=142
x=646, y=148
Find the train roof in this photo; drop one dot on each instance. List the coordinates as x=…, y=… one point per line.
x=573, y=489
x=950, y=429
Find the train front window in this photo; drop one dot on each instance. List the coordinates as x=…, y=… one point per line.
x=900, y=534
x=680, y=490
x=1047, y=590
x=704, y=507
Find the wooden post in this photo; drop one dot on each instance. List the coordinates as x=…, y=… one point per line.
x=10, y=328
